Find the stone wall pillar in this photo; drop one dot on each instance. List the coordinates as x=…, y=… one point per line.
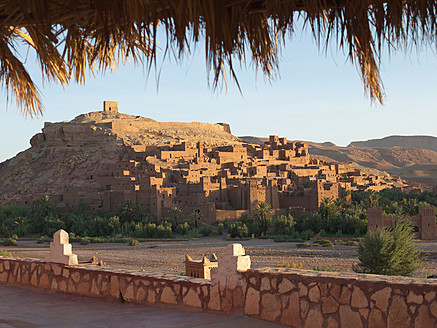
x=227, y=279
x=60, y=250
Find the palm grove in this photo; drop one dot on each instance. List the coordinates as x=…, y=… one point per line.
x=342, y=217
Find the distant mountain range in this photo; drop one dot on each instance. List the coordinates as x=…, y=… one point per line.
x=411, y=157
x=422, y=142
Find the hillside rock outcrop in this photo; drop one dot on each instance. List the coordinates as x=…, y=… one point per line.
x=72, y=155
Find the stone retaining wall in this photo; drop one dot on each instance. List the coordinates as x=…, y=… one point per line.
x=295, y=298
x=301, y=298
x=120, y=284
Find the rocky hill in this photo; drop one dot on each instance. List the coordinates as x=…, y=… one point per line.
x=418, y=142
x=64, y=155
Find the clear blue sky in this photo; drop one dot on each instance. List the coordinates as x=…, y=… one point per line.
x=318, y=97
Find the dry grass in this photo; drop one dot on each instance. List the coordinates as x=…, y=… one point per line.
x=74, y=36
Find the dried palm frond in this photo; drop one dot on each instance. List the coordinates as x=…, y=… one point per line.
x=71, y=37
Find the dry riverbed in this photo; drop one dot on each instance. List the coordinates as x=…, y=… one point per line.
x=168, y=256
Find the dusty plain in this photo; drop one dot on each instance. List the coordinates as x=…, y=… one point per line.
x=168, y=256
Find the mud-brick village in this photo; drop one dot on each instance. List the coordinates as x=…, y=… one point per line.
x=224, y=163
x=159, y=189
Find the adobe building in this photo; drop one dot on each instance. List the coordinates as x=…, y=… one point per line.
x=227, y=181
x=424, y=222
x=221, y=182
x=110, y=106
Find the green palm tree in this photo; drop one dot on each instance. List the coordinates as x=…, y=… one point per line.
x=196, y=215
x=176, y=211
x=264, y=216
x=374, y=198
x=410, y=207
x=329, y=208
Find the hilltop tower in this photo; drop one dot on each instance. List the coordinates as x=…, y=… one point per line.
x=110, y=106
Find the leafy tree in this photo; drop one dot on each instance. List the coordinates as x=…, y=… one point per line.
x=42, y=210
x=284, y=224
x=389, y=252
x=51, y=224
x=246, y=219
x=428, y=197
x=263, y=215
x=129, y=212
x=392, y=195
x=309, y=221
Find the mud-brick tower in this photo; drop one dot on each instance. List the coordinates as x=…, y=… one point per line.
x=110, y=106
x=374, y=218
x=427, y=227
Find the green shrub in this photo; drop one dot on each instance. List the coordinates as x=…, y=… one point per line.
x=168, y=221
x=323, y=242
x=151, y=230
x=253, y=229
x=284, y=224
x=193, y=233
x=293, y=265
x=206, y=230
x=220, y=228
x=307, y=234
x=119, y=240
x=9, y=242
x=238, y=230
x=44, y=239
x=226, y=224
x=163, y=231
x=5, y=253
x=14, y=236
x=133, y=242
x=294, y=237
x=183, y=228
x=303, y=245
x=97, y=240
x=389, y=252
x=351, y=243
x=326, y=269
x=85, y=241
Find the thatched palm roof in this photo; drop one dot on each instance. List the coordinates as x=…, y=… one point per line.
x=72, y=36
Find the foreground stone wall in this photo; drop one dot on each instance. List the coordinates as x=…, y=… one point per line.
x=295, y=298
x=300, y=298
x=119, y=284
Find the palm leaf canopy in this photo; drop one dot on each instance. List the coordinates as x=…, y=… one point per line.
x=71, y=37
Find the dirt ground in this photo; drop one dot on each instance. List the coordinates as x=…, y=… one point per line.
x=168, y=256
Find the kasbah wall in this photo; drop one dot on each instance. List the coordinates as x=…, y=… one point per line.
x=219, y=182
x=424, y=222
x=294, y=298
